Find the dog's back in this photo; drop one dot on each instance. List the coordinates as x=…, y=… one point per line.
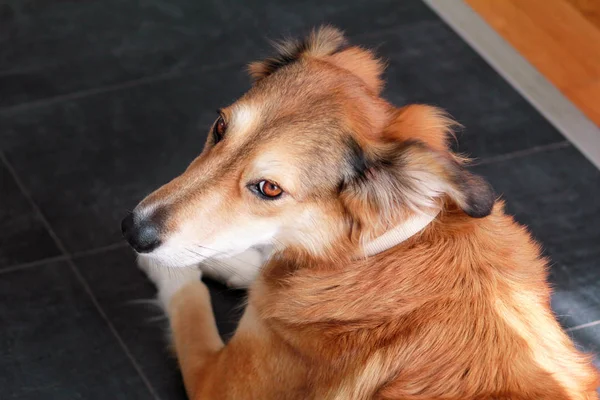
x=459, y=312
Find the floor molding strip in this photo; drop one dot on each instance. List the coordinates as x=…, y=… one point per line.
x=532, y=85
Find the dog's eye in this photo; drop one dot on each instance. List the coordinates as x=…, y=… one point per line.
x=219, y=129
x=268, y=189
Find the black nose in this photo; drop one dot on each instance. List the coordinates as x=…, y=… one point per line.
x=142, y=234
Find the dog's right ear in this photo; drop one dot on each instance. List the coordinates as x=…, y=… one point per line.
x=410, y=170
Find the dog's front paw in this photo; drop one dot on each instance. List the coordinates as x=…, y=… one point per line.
x=167, y=280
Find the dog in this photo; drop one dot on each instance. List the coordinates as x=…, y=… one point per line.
x=394, y=274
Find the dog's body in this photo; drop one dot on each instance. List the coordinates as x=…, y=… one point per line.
x=459, y=310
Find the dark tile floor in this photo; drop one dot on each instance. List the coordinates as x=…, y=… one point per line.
x=103, y=100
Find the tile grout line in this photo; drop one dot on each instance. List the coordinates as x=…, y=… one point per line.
x=98, y=250
x=84, y=93
x=172, y=73
x=114, y=331
x=582, y=326
x=523, y=153
x=74, y=256
x=32, y=264
x=164, y=76
x=80, y=278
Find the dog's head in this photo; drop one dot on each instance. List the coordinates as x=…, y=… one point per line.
x=311, y=158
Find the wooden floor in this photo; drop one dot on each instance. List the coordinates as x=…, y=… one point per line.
x=561, y=38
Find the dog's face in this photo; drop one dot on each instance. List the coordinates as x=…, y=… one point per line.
x=309, y=158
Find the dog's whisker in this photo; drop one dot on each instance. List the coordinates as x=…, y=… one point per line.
x=158, y=318
x=228, y=256
x=143, y=302
x=218, y=265
x=224, y=266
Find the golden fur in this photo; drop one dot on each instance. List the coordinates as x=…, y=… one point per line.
x=459, y=311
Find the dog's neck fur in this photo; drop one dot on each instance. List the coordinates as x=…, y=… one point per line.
x=393, y=237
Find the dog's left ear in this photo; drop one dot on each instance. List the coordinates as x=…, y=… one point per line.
x=321, y=42
x=411, y=169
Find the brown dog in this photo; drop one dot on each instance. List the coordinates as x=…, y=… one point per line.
x=395, y=275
